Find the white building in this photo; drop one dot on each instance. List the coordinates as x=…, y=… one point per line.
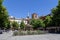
x=11, y=18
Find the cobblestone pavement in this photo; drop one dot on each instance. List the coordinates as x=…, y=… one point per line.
x=8, y=36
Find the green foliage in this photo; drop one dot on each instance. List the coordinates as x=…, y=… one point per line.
x=34, y=23
x=56, y=15
x=8, y=25
x=47, y=21
x=53, y=20
x=3, y=16
x=1, y=1
x=15, y=25
x=22, y=25
x=42, y=23
x=37, y=23
x=37, y=32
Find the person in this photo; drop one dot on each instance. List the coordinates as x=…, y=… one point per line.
x=1, y=31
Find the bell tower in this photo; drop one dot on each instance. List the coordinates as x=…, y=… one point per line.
x=34, y=16
x=28, y=18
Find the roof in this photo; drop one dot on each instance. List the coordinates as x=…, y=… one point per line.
x=34, y=14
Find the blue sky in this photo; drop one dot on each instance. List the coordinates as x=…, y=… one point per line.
x=20, y=8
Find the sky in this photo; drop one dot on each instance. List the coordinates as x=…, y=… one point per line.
x=21, y=8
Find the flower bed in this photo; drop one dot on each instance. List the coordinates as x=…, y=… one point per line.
x=17, y=33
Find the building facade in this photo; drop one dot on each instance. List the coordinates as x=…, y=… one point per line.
x=11, y=19
x=25, y=20
x=34, y=16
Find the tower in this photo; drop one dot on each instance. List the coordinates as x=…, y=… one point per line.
x=34, y=16
x=28, y=18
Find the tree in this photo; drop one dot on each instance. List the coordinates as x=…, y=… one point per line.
x=56, y=15
x=34, y=23
x=1, y=1
x=48, y=21
x=42, y=23
x=3, y=16
x=22, y=25
x=15, y=25
x=37, y=23
x=8, y=25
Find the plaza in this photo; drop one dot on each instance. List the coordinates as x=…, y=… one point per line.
x=8, y=36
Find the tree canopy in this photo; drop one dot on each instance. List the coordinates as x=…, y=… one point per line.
x=15, y=25
x=22, y=25
x=56, y=15
x=3, y=16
